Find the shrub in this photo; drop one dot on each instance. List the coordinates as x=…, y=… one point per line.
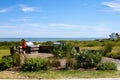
x=91, y=44
x=16, y=58
x=50, y=43
x=64, y=50
x=70, y=64
x=57, y=52
x=7, y=62
x=88, y=59
x=35, y=64
x=110, y=54
x=55, y=63
x=114, y=54
x=68, y=49
x=107, y=66
x=73, y=52
x=108, y=48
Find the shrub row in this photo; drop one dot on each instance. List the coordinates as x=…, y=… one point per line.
x=36, y=64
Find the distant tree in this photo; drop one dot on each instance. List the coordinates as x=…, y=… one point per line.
x=117, y=35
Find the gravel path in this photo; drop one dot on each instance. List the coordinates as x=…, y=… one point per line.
x=42, y=55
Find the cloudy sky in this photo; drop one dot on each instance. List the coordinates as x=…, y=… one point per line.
x=59, y=18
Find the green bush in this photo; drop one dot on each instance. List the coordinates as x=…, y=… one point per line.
x=16, y=58
x=115, y=55
x=108, y=48
x=68, y=49
x=7, y=62
x=107, y=66
x=64, y=50
x=88, y=59
x=35, y=64
x=55, y=63
x=58, y=52
x=7, y=45
x=110, y=54
x=70, y=64
x=48, y=43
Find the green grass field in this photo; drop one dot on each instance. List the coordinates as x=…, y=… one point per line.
x=71, y=74
x=4, y=52
x=59, y=74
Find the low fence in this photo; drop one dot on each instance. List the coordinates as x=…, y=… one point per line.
x=39, y=49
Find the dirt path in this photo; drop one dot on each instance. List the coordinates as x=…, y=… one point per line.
x=42, y=55
x=11, y=75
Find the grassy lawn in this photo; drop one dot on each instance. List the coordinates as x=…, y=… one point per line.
x=63, y=74
x=71, y=74
x=4, y=52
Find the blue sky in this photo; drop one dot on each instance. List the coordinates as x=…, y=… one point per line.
x=59, y=18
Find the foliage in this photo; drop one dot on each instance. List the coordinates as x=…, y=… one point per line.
x=16, y=58
x=107, y=66
x=64, y=50
x=55, y=63
x=70, y=64
x=57, y=52
x=4, y=52
x=7, y=62
x=48, y=43
x=114, y=54
x=88, y=59
x=7, y=45
x=108, y=48
x=68, y=49
x=35, y=64
x=85, y=43
x=110, y=54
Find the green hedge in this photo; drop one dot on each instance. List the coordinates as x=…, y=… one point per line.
x=107, y=66
x=7, y=62
x=88, y=59
x=35, y=64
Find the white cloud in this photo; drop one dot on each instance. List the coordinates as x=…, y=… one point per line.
x=112, y=5
x=4, y=10
x=25, y=8
x=7, y=26
x=52, y=30
x=61, y=25
x=23, y=19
